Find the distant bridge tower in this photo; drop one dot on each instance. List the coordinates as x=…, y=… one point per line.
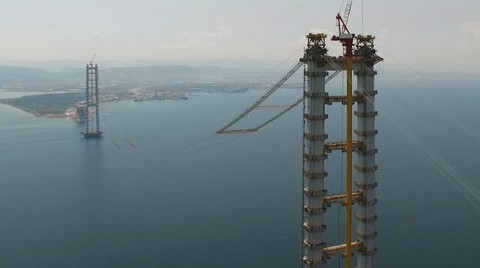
x=92, y=123
x=360, y=58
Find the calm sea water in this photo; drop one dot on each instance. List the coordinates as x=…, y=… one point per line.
x=160, y=189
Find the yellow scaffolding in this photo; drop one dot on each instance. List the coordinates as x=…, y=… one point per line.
x=348, y=224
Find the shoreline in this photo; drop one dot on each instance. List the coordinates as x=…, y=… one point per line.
x=35, y=113
x=137, y=95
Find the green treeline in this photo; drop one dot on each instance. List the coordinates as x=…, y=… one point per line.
x=46, y=103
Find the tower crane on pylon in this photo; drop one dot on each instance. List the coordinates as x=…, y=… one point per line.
x=344, y=35
x=93, y=57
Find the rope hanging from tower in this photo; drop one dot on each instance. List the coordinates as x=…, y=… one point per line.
x=259, y=101
x=287, y=108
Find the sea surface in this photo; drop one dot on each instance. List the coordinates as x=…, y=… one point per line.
x=161, y=189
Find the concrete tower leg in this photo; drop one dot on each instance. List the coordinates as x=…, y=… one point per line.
x=365, y=213
x=97, y=112
x=314, y=170
x=87, y=98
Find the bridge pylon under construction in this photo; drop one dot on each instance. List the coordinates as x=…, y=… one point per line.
x=316, y=199
x=92, y=122
x=359, y=58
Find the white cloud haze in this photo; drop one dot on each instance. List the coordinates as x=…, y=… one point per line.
x=416, y=31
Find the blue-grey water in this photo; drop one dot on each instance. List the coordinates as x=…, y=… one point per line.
x=160, y=189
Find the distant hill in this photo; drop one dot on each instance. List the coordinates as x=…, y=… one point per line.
x=183, y=73
x=20, y=76
x=38, y=79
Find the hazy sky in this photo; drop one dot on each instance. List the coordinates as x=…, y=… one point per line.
x=424, y=33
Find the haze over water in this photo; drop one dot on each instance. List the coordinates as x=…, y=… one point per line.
x=161, y=190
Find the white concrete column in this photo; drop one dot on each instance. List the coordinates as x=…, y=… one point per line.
x=365, y=182
x=314, y=169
